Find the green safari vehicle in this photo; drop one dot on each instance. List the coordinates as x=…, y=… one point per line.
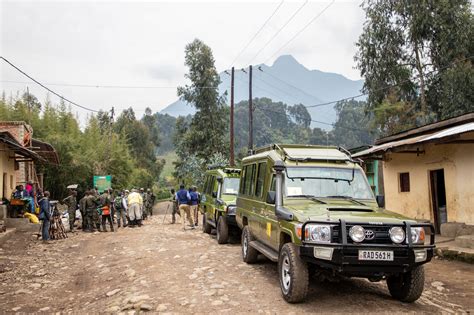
x=218, y=201
x=311, y=209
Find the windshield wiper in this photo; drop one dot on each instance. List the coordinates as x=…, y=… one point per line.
x=310, y=197
x=348, y=198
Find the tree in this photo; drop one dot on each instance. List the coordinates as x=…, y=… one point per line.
x=407, y=53
x=208, y=128
x=353, y=127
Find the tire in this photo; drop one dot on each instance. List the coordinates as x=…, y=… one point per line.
x=222, y=230
x=249, y=254
x=206, y=227
x=293, y=274
x=407, y=287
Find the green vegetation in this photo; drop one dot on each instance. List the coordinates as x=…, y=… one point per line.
x=123, y=149
x=203, y=140
x=416, y=59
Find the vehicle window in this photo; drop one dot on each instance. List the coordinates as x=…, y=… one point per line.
x=272, y=186
x=206, y=184
x=242, y=182
x=262, y=168
x=325, y=182
x=230, y=186
x=213, y=184
x=250, y=180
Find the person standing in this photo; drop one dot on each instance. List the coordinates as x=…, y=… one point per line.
x=125, y=206
x=45, y=216
x=183, y=198
x=91, y=212
x=82, y=209
x=71, y=203
x=194, y=204
x=105, y=204
x=135, y=204
x=174, y=205
x=120, y=210
x=150, y=202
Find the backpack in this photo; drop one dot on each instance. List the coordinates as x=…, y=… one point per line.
x=118, y=202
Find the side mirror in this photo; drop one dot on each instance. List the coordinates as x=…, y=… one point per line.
x=214, y=194
x=380, y=201
x=271, y=197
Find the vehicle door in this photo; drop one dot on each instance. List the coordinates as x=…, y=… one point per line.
x=270, y=227
x=247, y=201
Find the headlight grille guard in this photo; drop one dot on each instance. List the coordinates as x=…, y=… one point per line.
x=342, y=225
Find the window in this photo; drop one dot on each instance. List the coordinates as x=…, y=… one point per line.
x=250, y=180
x=404, y=180
x=242, y=180
x=213, y=186
x=262, y=167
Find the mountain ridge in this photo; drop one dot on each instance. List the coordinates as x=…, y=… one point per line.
x=288, y=81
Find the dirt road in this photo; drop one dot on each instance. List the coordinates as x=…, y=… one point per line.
x=161, y=268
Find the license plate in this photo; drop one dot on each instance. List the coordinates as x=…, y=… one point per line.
x=380, y=255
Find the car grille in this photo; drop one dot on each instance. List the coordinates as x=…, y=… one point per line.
x=381, y=234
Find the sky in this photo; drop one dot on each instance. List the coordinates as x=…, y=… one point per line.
x=140, y=44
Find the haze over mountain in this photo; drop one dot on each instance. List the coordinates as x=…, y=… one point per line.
x=287, y=81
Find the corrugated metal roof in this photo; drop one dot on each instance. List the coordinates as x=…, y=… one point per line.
x=457, y=130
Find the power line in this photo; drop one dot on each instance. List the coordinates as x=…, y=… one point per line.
x=278, y=32
x=256, y=34
x=46, y=88
x=376, y=90
x=301, y=30
x=109, y=86
x=289, y=84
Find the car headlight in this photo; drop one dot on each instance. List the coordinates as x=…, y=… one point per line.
x=320, y=233
x=397, y=235
x=417, y=235
x=357, y=233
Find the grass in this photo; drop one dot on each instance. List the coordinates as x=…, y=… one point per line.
x=168, y=169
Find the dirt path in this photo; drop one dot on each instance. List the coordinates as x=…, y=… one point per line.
x=161, y=268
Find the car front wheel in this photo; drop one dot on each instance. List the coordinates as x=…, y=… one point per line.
x=293, y=274
x=407, y=287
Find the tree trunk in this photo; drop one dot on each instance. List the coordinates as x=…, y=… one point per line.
x=419, y=67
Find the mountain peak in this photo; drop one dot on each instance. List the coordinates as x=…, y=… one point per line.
x=287, y=61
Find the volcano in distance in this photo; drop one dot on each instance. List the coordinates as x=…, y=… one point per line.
x=289, y=82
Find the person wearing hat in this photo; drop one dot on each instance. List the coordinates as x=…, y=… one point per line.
x=149, y=202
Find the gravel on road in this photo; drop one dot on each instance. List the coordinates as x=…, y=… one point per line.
x=160, y=268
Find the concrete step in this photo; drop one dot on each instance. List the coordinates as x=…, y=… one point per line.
x=466, y=241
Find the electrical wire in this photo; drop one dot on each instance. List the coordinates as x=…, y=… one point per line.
x=256, y=34
x=46, y=88
x=109, y=86
x=278, y=32
x=301, y=30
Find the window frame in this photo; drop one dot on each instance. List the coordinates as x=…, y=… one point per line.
x=404, y=182
x=260, y=178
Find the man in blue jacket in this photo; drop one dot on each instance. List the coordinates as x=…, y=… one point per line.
x=194, y=204
x=45, y=215
x=183, y=198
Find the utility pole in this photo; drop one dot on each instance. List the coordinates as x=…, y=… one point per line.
x=232, y=162
x=250, y=112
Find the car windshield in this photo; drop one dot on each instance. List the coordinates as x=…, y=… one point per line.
x=326, y=182
x=230, y=186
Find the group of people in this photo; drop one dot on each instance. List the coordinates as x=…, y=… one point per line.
x=187, y=202
x=127, y=208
